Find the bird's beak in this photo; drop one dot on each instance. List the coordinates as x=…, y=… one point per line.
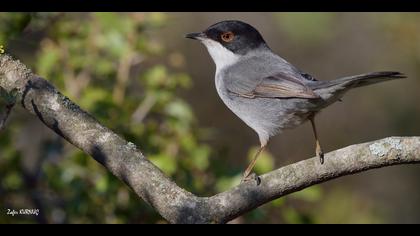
x=197, y=36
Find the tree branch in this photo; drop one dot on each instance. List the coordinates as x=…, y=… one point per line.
x=175, y=204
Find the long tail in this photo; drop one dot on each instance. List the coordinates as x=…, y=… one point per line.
x=336, y=88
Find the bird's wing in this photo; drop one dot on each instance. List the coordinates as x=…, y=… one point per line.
x=279, y=85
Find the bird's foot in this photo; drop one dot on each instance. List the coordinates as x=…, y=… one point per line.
x=320, y=155
x=251, y=177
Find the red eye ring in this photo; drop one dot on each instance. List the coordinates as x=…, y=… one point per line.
x=227, y=36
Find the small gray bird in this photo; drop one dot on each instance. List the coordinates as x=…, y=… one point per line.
x=264, y=90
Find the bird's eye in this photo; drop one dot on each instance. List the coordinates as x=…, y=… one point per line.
x=227, y=37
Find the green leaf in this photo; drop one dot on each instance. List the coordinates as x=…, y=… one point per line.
x=179, y=110
x=47, y=61
x=101, y=185
x=227, y=182
x=114, y=43
x=165, y=162
x=311, y=194
x=122, y=23
x=12, y=24
x=291, y=216
x=155, y=19
x=93, y=95
x=278, y=202
x=155, y=77
x=200, y=157
x=12, y=181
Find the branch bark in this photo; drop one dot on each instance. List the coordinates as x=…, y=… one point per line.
x=175, y=204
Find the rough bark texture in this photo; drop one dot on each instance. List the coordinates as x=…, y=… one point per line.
x=175, y=204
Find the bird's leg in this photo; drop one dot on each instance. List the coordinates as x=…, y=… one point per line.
x=247, y=174
x=318, y=151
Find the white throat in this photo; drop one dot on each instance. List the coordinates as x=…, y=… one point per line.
x=221, y=56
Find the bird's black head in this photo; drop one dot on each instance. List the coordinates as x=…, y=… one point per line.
x=236, y=36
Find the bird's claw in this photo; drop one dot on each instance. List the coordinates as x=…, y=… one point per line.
x=251, y=177
x=320, y=155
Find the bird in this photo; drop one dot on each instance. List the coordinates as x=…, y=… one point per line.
x=264, y=90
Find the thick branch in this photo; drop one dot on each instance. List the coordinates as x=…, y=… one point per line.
x=175, y=204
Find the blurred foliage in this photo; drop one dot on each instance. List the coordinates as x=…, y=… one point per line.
x=98, y=61
x=342, y=206
x=107, y=63
x=11, y=25
x=307, y=29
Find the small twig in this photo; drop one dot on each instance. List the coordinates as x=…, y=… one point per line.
x=143, y=109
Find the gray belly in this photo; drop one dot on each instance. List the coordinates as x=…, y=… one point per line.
x=269, y=116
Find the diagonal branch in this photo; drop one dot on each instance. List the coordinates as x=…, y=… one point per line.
x=175, y=204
